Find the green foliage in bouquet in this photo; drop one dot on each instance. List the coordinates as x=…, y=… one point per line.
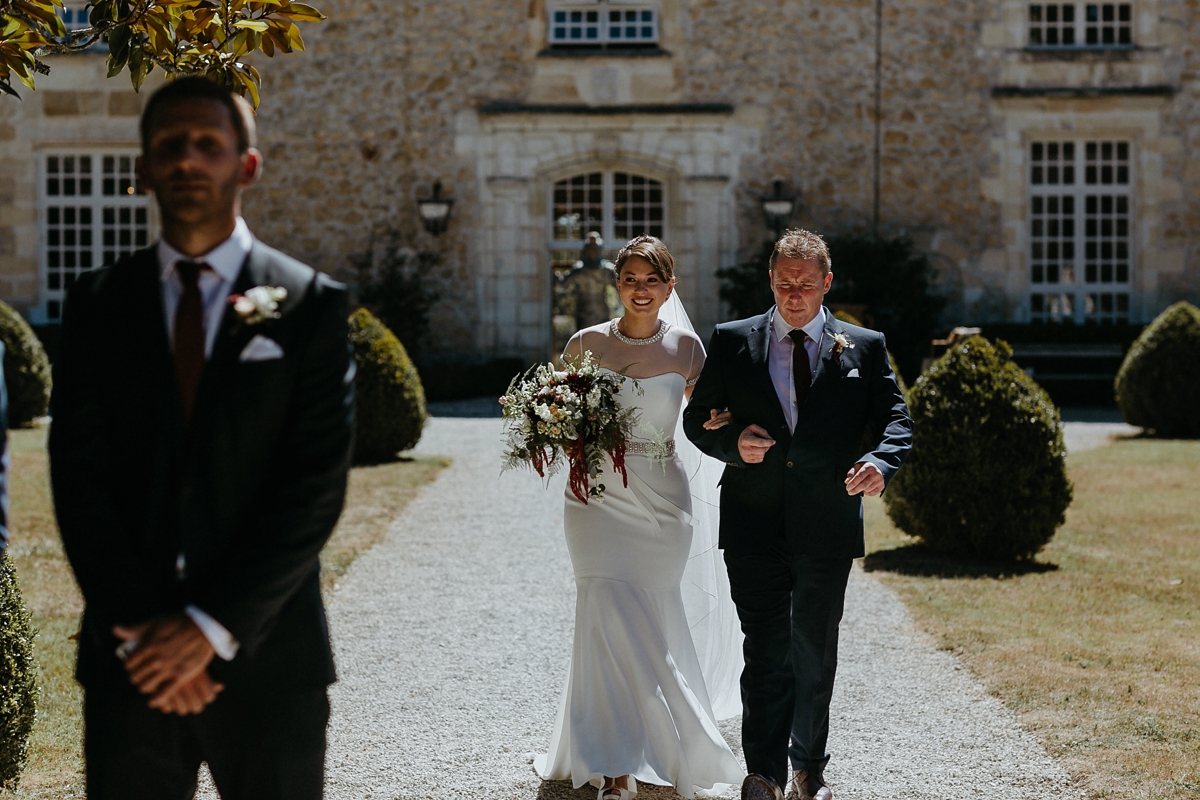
x=1158, y=386
x=26, y=369
x=389, y=401
x=987, y=475
x=18, y=677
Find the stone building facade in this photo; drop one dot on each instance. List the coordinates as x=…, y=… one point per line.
x=1048, y=162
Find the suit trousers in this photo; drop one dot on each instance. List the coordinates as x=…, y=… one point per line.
x=790, y=608
x=259, y=746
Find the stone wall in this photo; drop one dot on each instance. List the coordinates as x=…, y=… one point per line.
x=393, y=95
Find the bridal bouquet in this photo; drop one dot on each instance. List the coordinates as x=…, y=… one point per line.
x=569, y=414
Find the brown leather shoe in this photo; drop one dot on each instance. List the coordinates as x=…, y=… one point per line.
x=810, y=785
x=760, y=787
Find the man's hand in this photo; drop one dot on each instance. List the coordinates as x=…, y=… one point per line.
x=717, y=419
x=753, y=444
x=171, y=652
x=191, y=697
x=866, y=478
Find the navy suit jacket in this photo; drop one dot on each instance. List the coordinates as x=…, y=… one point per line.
x=795, y=501
x=249, y=492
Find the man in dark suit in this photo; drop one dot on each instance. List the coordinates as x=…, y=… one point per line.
x=801, y=388
x=202, y=431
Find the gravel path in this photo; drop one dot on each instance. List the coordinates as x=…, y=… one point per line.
x=452, y=639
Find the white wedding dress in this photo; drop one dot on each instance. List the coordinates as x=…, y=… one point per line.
x=636, y=701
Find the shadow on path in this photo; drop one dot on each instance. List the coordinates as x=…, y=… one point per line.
x=917, y=559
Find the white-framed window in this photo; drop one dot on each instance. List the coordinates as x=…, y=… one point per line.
x=1080, y=231
x=90, y=213
x=602, y=22
x=1065, y=25
x=618, y=205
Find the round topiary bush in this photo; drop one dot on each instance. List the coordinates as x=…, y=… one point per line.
x=1158, y=386
x=389, y=403
x=26, y=369
x=987, y=475
x=18, y=678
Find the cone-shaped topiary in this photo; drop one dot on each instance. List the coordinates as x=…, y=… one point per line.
x=389, y=403
x=26, y=369
x=18, y=677
x=1158, y=386
x=987, y=475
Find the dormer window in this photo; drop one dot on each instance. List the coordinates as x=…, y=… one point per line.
x=1074, y=25
x=603, y=24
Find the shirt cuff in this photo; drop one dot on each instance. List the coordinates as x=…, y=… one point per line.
x=221, y=639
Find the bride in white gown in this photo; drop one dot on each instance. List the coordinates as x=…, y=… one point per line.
x=636, y=706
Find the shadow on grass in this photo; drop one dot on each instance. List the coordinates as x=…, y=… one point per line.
x=919, y=560
x=378, y=462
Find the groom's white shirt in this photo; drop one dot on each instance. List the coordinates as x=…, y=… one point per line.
x=779, y=359
x=225, y=262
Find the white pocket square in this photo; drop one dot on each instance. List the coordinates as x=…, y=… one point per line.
x=261, y=348
x=852, y=373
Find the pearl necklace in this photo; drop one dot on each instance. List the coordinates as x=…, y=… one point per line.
x=616, y=331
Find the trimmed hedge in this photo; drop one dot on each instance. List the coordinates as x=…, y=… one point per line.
x=18, y=677
x=1158, y=386
x=389, y=402
x=987, y=475
x=26, y=369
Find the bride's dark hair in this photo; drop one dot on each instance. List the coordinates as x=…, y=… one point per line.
x=653, y=250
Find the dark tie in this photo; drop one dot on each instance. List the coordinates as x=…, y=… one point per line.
x=189, y=335
x=801, y=369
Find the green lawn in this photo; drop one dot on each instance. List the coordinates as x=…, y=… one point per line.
x=377, y=495
x=1098, y=649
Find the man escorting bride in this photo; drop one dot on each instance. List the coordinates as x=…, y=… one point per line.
x=783, y=400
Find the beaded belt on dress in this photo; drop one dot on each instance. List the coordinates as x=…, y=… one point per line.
x=666, y=449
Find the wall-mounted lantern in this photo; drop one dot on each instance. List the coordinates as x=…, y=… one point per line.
x=435, y=211
x=778, y=209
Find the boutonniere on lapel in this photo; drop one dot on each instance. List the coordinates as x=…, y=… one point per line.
x=258, y=304
x=841, y=343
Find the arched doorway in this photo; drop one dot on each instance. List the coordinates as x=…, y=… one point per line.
x=618, y=206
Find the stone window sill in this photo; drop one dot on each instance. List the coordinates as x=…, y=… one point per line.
x=602, y=51
x=1075, y=53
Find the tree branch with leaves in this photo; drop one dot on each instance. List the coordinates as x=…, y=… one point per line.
x=210, y=38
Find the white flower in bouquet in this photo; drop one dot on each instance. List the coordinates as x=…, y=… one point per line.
x=571, y=414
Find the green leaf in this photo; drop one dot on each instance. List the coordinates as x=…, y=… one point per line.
x=300, y=11
x=118, y=49
x=251, y=24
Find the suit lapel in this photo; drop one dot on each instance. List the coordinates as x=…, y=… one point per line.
x=232, y=336
x=832, y=328
x=150, y=356
x=758, y=344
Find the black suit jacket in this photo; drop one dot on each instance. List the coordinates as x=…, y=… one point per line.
x=795, y=501
x=249, y=492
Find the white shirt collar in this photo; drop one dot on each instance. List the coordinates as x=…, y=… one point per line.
x=225, y=259
x=815, y=328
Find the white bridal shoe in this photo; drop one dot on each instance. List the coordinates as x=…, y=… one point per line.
x=617, y=793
